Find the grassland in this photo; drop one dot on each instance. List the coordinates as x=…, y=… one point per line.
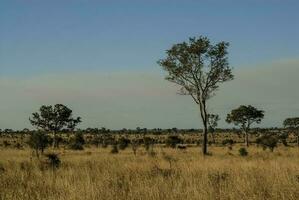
x=95, y=173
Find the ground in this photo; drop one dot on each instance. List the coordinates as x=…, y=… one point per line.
x=167, y=173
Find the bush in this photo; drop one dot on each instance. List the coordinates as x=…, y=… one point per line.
x=267, y=141
x=148, y=143
x=6, y=143
x=123, y=143
x=39, y=142
x=173, y=140
x=243, y=152
x=228, y=142
x=114, y=149
x=18, y=146
x=283, y=138
x=77, y=142
x=53, y=160
x=135, y=145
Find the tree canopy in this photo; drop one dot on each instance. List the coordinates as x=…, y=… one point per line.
x=292, y=123
x=54, y=118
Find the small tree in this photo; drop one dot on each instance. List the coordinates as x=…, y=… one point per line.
x=213, y=123
x=293, y=124
x=54, y=119
x=245, y=116
x=199, y=68
x=39, y=142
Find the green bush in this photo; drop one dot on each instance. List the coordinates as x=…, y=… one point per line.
x=173, y=140
x=53, y=160
x=123, y=143
x=267, y=141
x=243, y=151
x=148, y=143
x=228, y=142
x=39, y=142
x=77, y=142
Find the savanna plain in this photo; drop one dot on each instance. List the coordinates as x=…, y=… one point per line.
x=160, y=172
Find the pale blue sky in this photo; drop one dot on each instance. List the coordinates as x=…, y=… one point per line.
x=44, y=45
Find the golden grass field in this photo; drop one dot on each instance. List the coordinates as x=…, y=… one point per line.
x=95, y=173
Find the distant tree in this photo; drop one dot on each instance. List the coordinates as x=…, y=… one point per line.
x=244, y=117
x=39, y=142
x=8, y=130
x=213, y=123
x=198, y=67
x=293, y=124
x=54, y=119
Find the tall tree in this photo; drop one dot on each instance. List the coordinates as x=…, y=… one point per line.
x=54, y=119
x=293, y=124
x=244, y=117
x=199, y=67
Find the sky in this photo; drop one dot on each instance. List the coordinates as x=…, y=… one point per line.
x=100, y=59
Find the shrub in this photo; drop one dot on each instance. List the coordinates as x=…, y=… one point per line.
x=53, y=160
x=135, y=145
x=114, y=149
x=123, y=143
x=243, y=152
x=18, y=146
x=39, y=142
x=267, y=141
x=283, y=138
x=173, y=140
x=6, y=143
x=148, y=143
x=228, y=142
x=77, y=142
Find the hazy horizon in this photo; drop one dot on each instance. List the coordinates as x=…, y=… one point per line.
x=99, y=58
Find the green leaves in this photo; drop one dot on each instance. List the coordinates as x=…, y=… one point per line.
x=245, y=116
x=54, y=118
x=197, y=66
x=292, y=123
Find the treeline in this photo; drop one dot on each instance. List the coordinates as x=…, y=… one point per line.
x=154, y=131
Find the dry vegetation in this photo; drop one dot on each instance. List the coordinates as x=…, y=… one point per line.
x=95, y=173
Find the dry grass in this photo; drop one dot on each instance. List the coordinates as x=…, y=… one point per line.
x=97, y=174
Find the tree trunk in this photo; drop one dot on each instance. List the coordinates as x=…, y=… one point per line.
x=246, y=139
x=205, y=140
x=204, y=115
